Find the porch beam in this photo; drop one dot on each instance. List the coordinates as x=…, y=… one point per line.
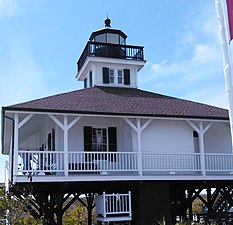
x=193, y=126
x=118, y=116
x=25, y=120
x=72, y=123
x=131, y=124
x=56, y=121
x=146, y=124
x=207, y=127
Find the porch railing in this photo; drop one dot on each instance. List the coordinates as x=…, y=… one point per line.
x=171, y=162
x=103, y=161
x=40, y=161
x=219, y=162
x=121, y=163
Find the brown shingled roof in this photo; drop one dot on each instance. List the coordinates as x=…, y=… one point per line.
x=121, y=101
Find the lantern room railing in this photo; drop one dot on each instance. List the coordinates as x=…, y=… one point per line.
x=99, y=49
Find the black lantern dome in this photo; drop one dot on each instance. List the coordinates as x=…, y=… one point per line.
x=109, y=35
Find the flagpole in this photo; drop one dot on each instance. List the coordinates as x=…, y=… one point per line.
x=226, y=63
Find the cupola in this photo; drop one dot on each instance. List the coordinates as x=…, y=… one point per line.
x=108, y=35
x=107, y=61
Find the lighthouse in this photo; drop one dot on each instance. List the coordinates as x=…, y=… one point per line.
x=108, y=61
x=136, y=156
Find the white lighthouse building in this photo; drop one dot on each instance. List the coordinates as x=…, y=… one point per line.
x=137, y=155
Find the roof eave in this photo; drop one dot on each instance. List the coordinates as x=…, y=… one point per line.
x=18, y=109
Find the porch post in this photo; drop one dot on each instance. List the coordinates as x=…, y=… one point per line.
x=66, y=160
x=139, y=146
x=201, y=147
x=16, y=146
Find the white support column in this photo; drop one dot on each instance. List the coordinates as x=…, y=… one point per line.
x=16, y=147
x=201, y=147
x=7, y=176
x=139, y=146
x=130, y=206
x=65, y=127
x=66, y=156
x=104, y=204
x=201, y=131
x=138, y=129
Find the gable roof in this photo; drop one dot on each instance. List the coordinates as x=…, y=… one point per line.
x=121, y=101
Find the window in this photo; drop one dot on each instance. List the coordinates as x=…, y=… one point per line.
x=111, y=76
x=99, y=139
x=119, y=77
x=122, y=76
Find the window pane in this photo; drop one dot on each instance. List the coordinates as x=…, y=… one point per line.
x=119, y=76
x=112, y=38
x=111, y=76
x=100, y=38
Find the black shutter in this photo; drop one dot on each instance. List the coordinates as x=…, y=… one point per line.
x=87, y=138
x=85, y=83
x=126, y=76
x=105, y=75
x=112, y=141
x=49, y=141
x=90, y=79
x=53, y=140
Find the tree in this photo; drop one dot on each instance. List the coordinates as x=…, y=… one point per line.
x=15, y=209
x=75, y=216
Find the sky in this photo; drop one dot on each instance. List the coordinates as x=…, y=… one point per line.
x=41, y=41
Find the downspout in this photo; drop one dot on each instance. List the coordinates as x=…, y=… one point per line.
x=13, y=138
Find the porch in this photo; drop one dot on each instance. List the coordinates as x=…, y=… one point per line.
x=88, y=147
x=115, y=164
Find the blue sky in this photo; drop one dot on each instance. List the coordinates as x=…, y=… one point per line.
x=41, y=41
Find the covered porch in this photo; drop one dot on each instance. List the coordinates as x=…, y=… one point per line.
x=55, y=145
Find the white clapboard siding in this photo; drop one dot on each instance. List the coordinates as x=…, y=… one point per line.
x=168, y=137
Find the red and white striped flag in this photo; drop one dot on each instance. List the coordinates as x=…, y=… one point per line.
x=230, y=17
